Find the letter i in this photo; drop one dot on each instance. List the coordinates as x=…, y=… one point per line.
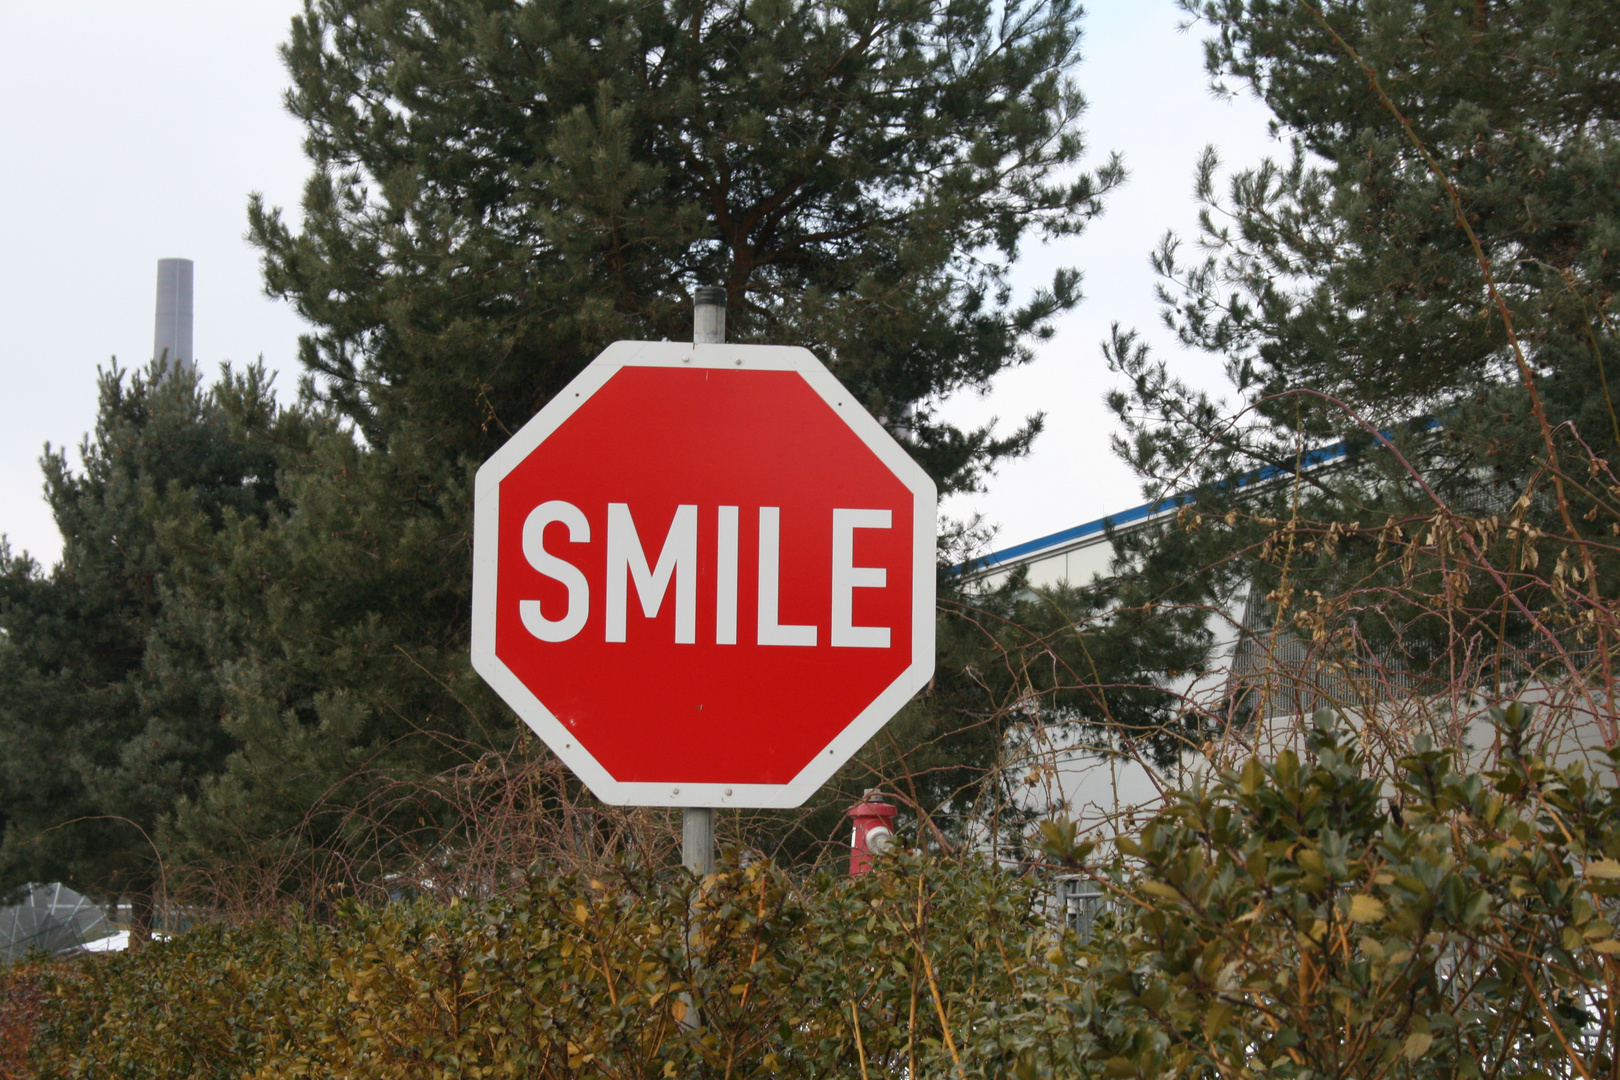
x=725, y=579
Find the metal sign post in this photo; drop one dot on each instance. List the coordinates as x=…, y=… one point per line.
x=697, y=822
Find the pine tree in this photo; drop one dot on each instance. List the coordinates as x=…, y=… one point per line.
x=1344, y=289
x=1347, y=269
x=502, y=188
x=110, y=712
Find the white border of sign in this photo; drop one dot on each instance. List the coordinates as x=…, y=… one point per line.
x=623, y=354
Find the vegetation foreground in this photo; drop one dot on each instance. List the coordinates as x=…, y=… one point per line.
x=244, y=689
x=1281, y=920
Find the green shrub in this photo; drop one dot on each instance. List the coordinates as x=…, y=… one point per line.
x=1293, y=918
x=203, y=1005
x=750, y=975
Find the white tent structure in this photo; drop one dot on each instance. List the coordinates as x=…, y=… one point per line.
x=53, y=919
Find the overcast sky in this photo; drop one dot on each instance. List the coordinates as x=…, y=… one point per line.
x=134, y=132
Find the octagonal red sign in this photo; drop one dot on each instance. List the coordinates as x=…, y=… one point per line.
x=704, y=575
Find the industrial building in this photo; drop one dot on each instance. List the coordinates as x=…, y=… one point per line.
x=171, y=337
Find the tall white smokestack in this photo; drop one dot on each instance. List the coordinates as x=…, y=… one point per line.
x=173, y=333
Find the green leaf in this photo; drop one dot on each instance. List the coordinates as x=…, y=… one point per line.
x=1159, y=889
x=1364, y=909
x=1252, y=777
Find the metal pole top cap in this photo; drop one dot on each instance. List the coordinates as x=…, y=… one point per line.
x=709, y=295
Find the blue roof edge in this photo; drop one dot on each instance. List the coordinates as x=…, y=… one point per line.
x=1078, y=532
x=1310, y=459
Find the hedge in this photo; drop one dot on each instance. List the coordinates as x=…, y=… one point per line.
x=1291, y=918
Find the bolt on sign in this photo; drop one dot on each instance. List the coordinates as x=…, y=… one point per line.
x=704, y=575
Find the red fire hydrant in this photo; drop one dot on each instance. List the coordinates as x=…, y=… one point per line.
x=874, y=833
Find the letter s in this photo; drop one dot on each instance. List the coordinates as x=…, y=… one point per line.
x=579, y=590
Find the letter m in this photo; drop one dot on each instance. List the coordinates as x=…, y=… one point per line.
x=626, y=560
